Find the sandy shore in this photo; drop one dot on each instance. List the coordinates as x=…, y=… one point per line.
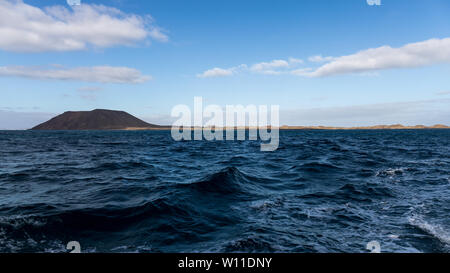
x=376, y=127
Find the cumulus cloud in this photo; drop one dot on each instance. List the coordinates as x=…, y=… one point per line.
x=365, y=62
x=221, y=72
x=320, y=59
x=419, y=54
x=301, y=71
x=216, y=72
x=26, y=28
x=293, y=61
x=270, y=66
x=274, y=67
x=99, y=74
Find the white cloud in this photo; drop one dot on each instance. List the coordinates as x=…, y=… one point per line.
x=270, y=66
x=365, y=62
x=221, y=72
x=100, y=74
x=216, y=72
x=301, y=71
x=419, y=54
x=25, y=28
x=275, y=67
x=443, y=93
x=320, y=59
x=295, y=61
x=270, y=72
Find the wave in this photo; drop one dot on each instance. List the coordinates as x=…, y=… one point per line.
x=13, y=177
x=321, y=191
x=111, y=166
x=391, y=172
x=226, y=181
x=44, y=171
x=316, y=167
x=371, y=190
x=251, y=244
x=434, y=230
x=105, y=218
x=352, y=192
x=46, y=229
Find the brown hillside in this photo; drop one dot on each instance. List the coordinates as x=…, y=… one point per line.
x=94, y=120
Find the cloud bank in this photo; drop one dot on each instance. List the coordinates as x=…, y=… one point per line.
x=320, y=59
x=365, y=62
x=98, y=74
x=430, y=52
x=25, y=28
x=270, y=68
x=275, y=67
x=443, y=93
x=424, y=112
x=222, y=72
x=216, y=72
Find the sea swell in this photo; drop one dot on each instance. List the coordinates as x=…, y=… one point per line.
x=434, y=230
x=322, y=191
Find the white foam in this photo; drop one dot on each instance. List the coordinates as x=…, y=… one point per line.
x=391, y=172
x=432, y=229
x=18, y=222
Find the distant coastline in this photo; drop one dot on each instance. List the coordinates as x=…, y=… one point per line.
x=101, y=119
x=376, y=127
x=286, y=127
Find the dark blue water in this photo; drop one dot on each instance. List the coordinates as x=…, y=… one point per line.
x=321, y=191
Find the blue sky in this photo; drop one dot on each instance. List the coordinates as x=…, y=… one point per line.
x=145, y=57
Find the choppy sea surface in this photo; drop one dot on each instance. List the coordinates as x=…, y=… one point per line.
x=321, y=191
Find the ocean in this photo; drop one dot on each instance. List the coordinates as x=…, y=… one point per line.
x=141, y=191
